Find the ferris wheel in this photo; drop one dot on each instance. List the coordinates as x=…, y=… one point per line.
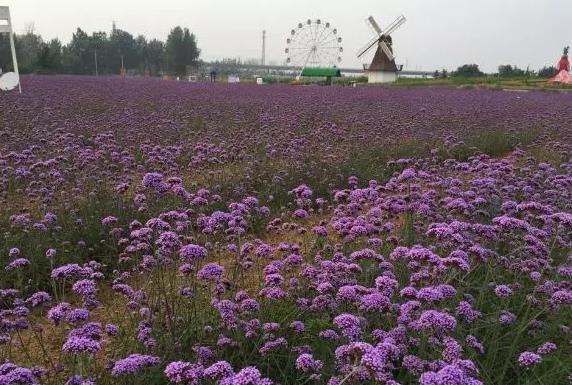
x=314, y=44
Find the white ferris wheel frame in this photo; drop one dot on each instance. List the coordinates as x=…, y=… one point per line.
x=314, y=43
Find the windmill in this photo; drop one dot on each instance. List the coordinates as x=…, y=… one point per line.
x=382, y=68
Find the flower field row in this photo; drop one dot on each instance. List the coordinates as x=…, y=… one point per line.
x=172, y=233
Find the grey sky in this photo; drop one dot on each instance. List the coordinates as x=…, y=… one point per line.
x=438, y=34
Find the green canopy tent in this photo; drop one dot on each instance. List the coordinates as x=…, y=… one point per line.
x=327, y=73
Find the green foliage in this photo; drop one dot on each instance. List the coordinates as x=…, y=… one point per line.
x=443, y=74
x=79, y=56
x=492, y=143
x=491, y=82
x=180, y=51
x=123, y=45
x=28, y=47
x=547, y=72
x=468, y=70
x=49, y=58
x=153, y=55
x=509, y=71
x=5, y=54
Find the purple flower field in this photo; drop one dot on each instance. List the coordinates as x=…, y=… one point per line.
x=157, y=232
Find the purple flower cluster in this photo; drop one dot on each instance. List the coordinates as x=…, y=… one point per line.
x=81, y=344
x=190, y=253
x=133, y=364
x=349, y=324
x=527, y=359
x=11, y=374
x=307, y=363
x=211, y=272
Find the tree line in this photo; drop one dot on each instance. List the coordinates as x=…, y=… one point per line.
x=107, y=53
x=103, y=53
x=505, y=71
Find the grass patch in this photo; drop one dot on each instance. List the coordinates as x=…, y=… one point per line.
x=493, y=143
x=484, y=82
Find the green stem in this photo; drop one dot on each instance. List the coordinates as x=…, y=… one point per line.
x=515, y=340
x=24, y=348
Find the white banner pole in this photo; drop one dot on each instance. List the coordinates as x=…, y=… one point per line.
x=13, y=48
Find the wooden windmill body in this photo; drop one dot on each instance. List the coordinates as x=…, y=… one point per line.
x=383, y=68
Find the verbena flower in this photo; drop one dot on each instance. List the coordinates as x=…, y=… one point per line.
x=528, y=359
x=503, y=291
x=80, y=344
x=11, y=374
x=133, y=363
x=16, y=264
x=85, y=287
x=181, y=372
x=190, y=253
x=211, y=272
x=306, y=363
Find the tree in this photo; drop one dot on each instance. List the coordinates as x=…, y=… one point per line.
x=443, y=74
x=142, y=46
x=49, y=59
x=509, y=71
x=99, y=46
x=180, y=51
x=468, y=70
x=191, y=51
x=155, y=52
x=28, y=48
x=5, y=53
x=78, y=56
x=122, y=46
x=547, y=72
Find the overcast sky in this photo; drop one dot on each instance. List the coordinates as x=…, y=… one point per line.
x=438, y=33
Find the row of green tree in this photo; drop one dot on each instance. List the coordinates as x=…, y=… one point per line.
x=102, y=53
x=506, y=71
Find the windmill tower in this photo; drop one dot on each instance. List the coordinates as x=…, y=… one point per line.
x=382, y=68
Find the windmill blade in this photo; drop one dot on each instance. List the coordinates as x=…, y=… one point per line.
x=386, y=50
x=374, y=25
x=396, y=24
x=366, y=48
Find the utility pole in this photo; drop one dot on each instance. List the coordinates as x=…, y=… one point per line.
x=96, y=67
x=123, y=71
x=264, y=47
